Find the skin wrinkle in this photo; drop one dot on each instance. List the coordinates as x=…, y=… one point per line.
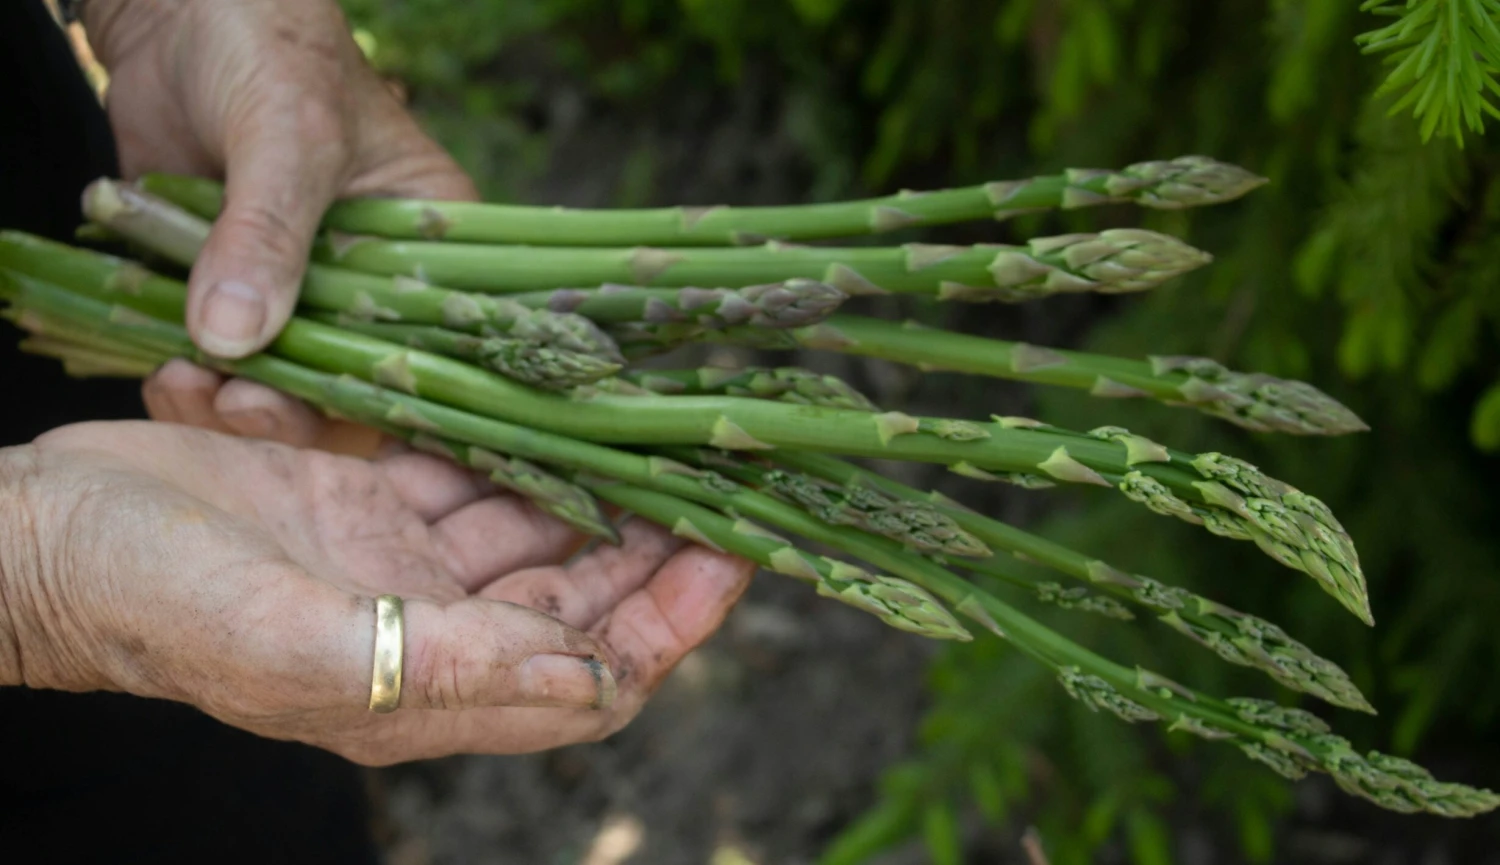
x=18, y=546
x=230, y=572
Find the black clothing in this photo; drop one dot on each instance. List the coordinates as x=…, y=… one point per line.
x=110, y=778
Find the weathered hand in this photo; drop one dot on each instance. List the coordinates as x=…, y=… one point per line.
x=238, y=576
x=275, y=96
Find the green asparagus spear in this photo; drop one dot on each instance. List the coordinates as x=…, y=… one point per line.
x=1289, y=741
x=542, y=366
x=786, y=383
x=567, y=501
x=1188, y=181
x=1230, y=499
x=1254, y=401
x=179, y=235
x=792, y=303
x=1236, y=637
x=1111, y=262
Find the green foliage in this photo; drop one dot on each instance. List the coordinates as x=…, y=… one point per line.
x=1369, y=266
x=1446, y=54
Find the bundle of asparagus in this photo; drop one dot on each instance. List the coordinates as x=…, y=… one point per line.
x=438, y=324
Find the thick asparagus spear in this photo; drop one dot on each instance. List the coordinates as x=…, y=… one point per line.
x=1288, y=740
x=1188, y=181
x=1229, y=498
x=785, y=383
x=1254, y=401
x=791, y=303
x=179, y=236
x=542, y=366
x=1236, y=637
x=1113, y=261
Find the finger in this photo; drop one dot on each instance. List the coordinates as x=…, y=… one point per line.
x=256, y=411
x=464, y=655
x=493, y=536
x=283, y=166
x=646, y=637
x=181, y=392
x=649, y=632
x=581, y=592
x=430, y=486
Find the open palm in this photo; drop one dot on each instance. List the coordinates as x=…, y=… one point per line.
x=239, y=576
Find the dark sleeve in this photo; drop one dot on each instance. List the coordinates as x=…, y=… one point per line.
x=109, y=777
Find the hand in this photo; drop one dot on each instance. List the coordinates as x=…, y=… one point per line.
x=275, y=96
x=238, y=575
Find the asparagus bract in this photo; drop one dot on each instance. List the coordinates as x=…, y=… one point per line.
x=1254, y=401
x=1188, y=181
x=785, y=383
x=539, y=365
x=1288, y=741
x=180, y=235
x=1232, y=500
x=792, y=303
x=1236, y=637
x=1113, y=261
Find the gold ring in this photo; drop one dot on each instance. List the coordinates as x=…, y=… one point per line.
x=390, y=639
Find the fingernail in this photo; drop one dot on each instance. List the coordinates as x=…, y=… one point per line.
x=566, y=681
x=252, y=422
x=233, y=315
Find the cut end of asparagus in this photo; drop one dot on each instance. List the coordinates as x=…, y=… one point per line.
x=1259, y=402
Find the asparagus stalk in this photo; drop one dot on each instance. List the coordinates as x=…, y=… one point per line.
x=1288, y=740
x=1114, y=261
x=1236, y=637
x=1228, y=497
x=179, y=236
x=899, y=603
x=787, y=383
x=791, y=303
x=1254, y=401
x=1188, y=181
x=542, y=366
x=568, y=502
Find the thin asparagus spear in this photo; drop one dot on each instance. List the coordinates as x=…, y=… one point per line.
x=1236, y=637
x=785, y=383
x=1188, y=181
x=1114, y=261
x=180, y=235
x=1254, y=401
x=791, y=303
x=1288, y=740
x=899, y=603
x=1230, y=498
x=542, y=366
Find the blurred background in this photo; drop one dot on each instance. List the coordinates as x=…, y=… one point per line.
x=1370, y=266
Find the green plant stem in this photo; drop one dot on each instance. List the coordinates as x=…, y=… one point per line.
x=1254, y=401
x=1169, y=184
x=1114, y=261
x=786, y=383
x=1230, y=498
x=541, y=366
x=179, y=236
x=791, y=303
x=1236, y=637
x=1288, y=741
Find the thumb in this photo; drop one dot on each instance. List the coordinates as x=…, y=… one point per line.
x=282, y=172
x=477, y=653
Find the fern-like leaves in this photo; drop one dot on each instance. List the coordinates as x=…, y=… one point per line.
x=1446, y=55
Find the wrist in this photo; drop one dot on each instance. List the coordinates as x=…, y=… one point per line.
x=19, y=556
